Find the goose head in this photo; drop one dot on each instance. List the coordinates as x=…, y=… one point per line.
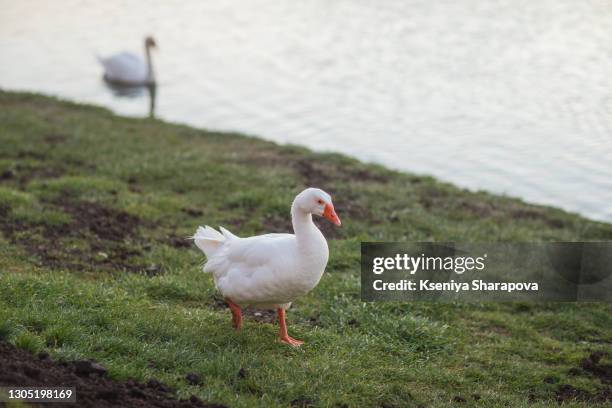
x=318, y=202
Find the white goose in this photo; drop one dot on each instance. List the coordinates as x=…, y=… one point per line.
x=272, y=270
x=129, y=69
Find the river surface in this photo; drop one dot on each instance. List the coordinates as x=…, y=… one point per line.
x=508, y=96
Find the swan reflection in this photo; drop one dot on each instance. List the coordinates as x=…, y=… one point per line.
x=134, y=92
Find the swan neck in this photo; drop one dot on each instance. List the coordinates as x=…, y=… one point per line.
x=150, y=73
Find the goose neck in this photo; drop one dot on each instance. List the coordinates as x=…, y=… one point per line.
x=303, y=227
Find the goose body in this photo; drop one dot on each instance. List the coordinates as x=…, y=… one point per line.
x=271, y=270
x=128, y=68
x=266, y=271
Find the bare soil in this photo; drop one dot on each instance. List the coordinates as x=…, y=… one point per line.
x=93, y=387
x=108, y=238
x=593, y=365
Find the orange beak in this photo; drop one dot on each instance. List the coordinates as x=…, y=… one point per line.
x=330, y=214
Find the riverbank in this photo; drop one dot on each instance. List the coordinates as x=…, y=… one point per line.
x=94, y=209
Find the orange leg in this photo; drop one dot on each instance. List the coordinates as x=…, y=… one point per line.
x=283, y=335
x=236, y=314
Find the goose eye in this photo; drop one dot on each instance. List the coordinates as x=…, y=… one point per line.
x=320, y=201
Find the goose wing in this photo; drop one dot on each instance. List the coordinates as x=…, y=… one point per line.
x=255, y=269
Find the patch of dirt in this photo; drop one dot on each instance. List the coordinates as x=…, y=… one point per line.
x=354, y=323
x=535, y=214
x=260, y=315
x=502, y=331
x=432, y=199
x=192, y=212
x=109, y=238
x=236, y=223
x=459, y=399
x=93, y=387
x=154, y=270
x=260, y=158
x=103, y=222
x=8, y=174
x=274, y=223
x=242, y=373
x=568, y=392
x=23, y=174
x=179, y=242
x=133, y=185
x=302, y=402
x=594, y=366
x=29, y=154
x=54, y=139
x=591, y=366
x=318, y=174
x=315, y=321
x=193, y=378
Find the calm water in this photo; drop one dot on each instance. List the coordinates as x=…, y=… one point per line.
x=508, y=96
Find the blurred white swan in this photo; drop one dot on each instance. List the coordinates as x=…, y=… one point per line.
x=130, y=69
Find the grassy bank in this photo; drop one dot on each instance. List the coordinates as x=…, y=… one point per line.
x=93, y=211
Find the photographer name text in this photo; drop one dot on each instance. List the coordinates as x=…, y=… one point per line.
x=458, y=265
x=452, y=286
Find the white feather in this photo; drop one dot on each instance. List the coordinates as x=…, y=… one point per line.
x=269, y=270
x=208, y=240
x=125, y=67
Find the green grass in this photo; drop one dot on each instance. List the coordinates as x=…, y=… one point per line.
x=93, y=209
